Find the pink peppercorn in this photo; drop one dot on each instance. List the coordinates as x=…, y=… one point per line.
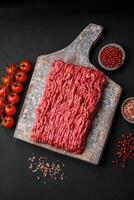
x=125, y=150
x=111, y=56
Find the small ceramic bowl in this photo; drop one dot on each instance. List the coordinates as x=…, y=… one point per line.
x=122, y=110
x=112, y=45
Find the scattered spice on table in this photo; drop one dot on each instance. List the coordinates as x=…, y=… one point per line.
x=46, y=170
x=111, y=57
x=128, y=109
x=125, y=150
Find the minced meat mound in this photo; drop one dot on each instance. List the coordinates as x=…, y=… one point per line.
x=68, y=105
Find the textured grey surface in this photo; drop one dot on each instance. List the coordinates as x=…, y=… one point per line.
x=78, y=53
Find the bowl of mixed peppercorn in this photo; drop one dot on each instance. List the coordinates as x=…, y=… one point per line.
x=111, y=56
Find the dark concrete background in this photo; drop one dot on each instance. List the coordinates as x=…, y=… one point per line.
x=30, y=29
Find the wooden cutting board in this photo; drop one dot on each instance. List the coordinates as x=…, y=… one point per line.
x=78, y=53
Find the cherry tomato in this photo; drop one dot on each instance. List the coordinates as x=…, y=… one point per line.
x=11, y=69
x=21, y=77
x=4, y=90
x=25, y=66
x=7, y=80
x=2, y=102
x=16, y=87
x=7, y=122
x=10, y=109
x=13, y=98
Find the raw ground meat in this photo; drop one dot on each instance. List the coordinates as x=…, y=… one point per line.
x=68, y=106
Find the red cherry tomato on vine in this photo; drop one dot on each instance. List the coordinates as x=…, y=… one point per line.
x=11, y=69
x=2, y=102
x=7, y=80
x=21, y=77
x=10, y=109
x=25, y=66
x=16, y=87
x=4, y=90
x=13, y=98
x=7, y=122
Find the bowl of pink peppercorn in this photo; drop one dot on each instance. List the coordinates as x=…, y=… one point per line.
x=111, y=56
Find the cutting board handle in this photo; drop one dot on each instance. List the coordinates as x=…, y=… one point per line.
x=83, y=43
x=80, y=47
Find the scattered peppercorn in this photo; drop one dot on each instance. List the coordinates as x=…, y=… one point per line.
x=125, y=150
x=46, y=170
x=111, y=57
